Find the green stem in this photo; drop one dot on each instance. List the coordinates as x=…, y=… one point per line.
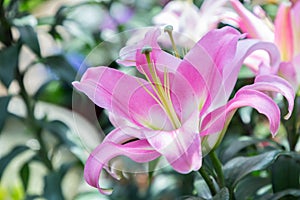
x=32, y=121
x=291, y=126
x=218, y=167
x=208, y=181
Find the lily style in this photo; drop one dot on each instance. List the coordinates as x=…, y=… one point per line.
x=182, y=107
x=284, y=32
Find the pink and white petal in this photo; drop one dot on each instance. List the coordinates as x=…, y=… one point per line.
x=284, y=31
x=295, y=17
x=276, y=84
x=296, y=63
x=204, y=64
x=244, y=97
x=145, y=109
x=244, y=49
x=254, y=60
x=288, y=71
x=128, y=54
x=181, y=147
x=183, y=97
x=138, y=151
x=222, y=52
x=109, y=88
x=251, y=24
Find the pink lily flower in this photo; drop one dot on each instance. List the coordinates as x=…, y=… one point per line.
x=189, y=20
x=181, y=109
x=285, y=33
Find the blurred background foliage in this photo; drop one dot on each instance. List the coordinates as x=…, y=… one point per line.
x=43, y=45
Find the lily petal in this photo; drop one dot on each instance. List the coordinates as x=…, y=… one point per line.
x=251, y=24
x=244, y=97
x=276, y=84
x=295, y=17
x=111, y=89
x=284, y=31
x=180, y=147
x=244, y=49
x=138, y=151
x=207, y=74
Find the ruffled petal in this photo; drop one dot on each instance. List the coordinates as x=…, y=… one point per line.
x=138, y=151
x=244, y=97
x=276, y=84
x=251, y=24
x=244, y=49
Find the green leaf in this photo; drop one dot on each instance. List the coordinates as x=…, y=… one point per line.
x=248, y=187
x=239, y=167
x=60, y=131
x=55, y=92
x=52, y=188
x=29, y=37
x=61, y=67
x=5, y=160
x=285, y=173
x=223, y=194
x=239, y=144
x=24, y=174
x=3, y=110
x=9, y=58
x=291, y=194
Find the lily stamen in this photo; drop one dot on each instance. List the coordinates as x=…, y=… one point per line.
x=169, y=30
x=162, y=91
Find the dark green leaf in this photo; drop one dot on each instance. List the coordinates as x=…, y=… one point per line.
x=3, y=110
x=24, y=174
x=291, y=194
x=239, y=144
x=285, y=173
x=60, y=130
x=223, y=194
x=248, y=187
x=29, y=37
x=52, y=188
x=32, y=197
x=9, y=61
x=5, y=160
x=239, y=167
x=61, y=67
x=55, y=92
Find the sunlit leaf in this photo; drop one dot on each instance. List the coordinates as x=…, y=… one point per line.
x=5, y=160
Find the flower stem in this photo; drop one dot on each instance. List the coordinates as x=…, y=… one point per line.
x=208, y=181
x=218, y=167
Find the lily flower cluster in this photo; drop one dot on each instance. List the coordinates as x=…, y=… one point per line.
x=284, y=32
x=182, y=107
